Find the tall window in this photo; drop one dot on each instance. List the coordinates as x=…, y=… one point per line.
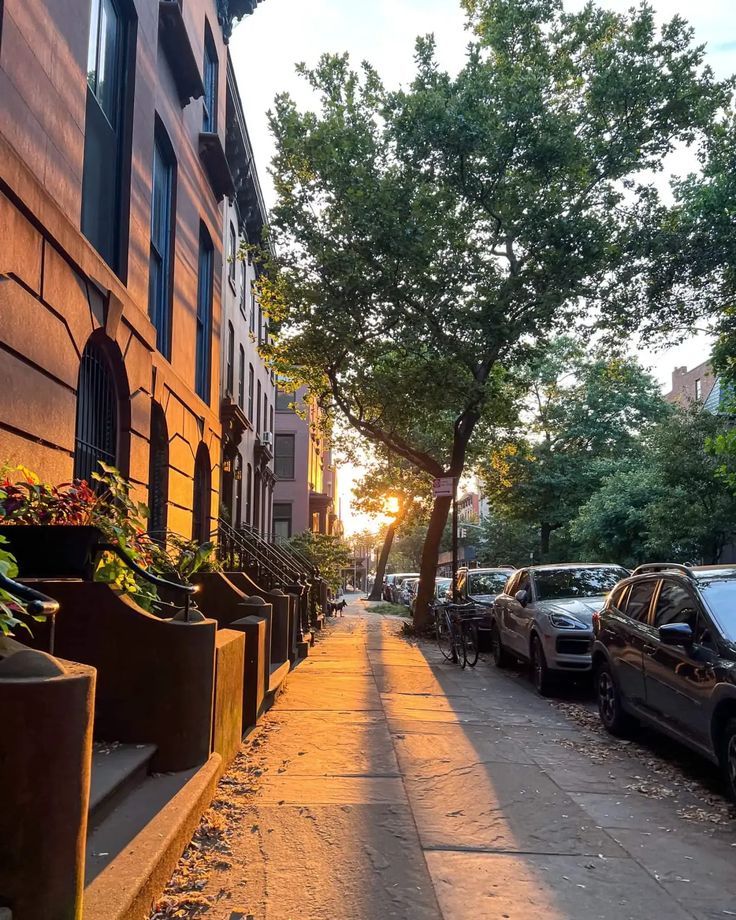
x=201, y=495
x=265, y=412
x=251, y=379
x=284, y=400
x=282, y=520
x=283, y=451
x=260, y=324
x=96, y=436
x=242, y=288
x=230, y=364
x=270, y=420
x=241, y=377
x=204, y=316
x=258, y=410
x=698, y=389
x=102, y=210
x=248, y=494
x=162, y=229
x=232, y=249
x=158, y=474
x=252, y=325
x=210, y=74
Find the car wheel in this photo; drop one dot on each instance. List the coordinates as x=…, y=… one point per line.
x=540, y=672
x=728, y=756
x=501, y=657
x=615, y=720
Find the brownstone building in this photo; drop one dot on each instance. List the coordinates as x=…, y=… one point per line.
x=693, y=385
x=113, y=171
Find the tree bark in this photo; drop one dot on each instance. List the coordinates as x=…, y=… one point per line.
x=430, y=554
x=377, y=589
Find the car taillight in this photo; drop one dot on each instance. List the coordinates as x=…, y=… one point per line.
x=596, y=622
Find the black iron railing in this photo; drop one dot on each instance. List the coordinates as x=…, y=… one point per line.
x=35, y=603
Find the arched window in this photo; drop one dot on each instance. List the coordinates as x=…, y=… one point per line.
x=96, y=436
x=201, y=497
x=158, y=474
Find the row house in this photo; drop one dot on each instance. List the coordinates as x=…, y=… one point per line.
x=248, y=389
x=305, y=493
x=123, y=157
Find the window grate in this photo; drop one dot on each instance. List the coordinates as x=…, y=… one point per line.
x=96, y=437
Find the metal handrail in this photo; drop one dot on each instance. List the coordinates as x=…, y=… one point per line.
x=185, y=588
x=287, y=558
x=240, y=540
x=37, y=604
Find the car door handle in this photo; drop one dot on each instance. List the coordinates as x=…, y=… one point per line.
x=650, y=650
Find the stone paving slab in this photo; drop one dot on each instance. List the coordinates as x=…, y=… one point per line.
x=471, y=886
x=502, y=806
x=326, y=789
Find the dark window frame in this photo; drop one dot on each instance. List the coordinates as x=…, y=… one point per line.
x=230, y=361
x=241, y=377
x=282, y=517
x=251, y=390
x=289, y=456
x=232, y=253
x=211, y=80
x=205, y=297
x=160, y=311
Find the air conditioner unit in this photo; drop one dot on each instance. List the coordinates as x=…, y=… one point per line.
x=267, y=438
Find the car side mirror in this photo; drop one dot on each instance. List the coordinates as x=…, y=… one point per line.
x=522, y=597
x=676, y=634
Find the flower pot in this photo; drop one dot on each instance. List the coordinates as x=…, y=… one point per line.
x=53, y=550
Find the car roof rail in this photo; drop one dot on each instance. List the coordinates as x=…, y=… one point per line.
x=664, y=567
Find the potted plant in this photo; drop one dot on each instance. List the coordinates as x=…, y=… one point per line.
x=58, y=531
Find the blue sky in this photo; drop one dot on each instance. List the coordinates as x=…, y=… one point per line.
x=267, y=46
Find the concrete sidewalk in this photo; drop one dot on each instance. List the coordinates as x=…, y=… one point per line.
x=386, y=783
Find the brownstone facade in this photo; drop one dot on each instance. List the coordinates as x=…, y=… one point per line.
x=75, y=325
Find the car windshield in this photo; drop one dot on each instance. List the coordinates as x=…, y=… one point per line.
x=720, y=596
x=483, y=583
x=552, y=584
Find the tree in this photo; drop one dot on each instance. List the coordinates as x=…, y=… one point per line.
x=393, y=486
x=674, y=504
x=425, y=237
x=585, y=414
x=506, y=541
x=330, y=554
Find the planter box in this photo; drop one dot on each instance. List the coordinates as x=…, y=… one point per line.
x=53, y=550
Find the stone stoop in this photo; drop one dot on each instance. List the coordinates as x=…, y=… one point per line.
x=140, y=824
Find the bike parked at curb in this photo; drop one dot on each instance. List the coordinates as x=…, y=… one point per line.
x=456, y=632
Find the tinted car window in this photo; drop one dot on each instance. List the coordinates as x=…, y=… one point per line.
x=675, y=604
x=552, y=584
x=486, y=582
x=637, y=606
x=618, y=597
x=720, y=596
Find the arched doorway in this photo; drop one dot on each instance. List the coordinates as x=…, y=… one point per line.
x=228, y=484
x=201, y=496
x=99, y=399
x=158, y=474
x=238, y=490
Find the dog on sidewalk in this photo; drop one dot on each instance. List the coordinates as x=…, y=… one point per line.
x=336, y=609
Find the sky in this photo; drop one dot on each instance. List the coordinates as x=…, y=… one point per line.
x=266, y=46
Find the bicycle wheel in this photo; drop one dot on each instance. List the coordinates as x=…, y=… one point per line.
x=470, y=644
x=443, y=634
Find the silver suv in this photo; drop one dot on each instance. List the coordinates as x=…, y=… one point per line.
x=545, y=616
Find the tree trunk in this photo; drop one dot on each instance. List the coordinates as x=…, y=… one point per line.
x=430, y=553
x=377, y=589
x=545, y=532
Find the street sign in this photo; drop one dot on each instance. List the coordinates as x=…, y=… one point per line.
x=443, y=487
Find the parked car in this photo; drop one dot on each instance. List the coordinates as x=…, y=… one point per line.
x=398, y=584
x=482, y=585
x=388, y=581
x=441, y=587
x=665, y=654
x=545, y=616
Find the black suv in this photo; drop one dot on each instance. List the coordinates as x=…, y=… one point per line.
x=665, y=653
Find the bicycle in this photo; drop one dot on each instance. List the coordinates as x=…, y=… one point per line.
x=456, y=632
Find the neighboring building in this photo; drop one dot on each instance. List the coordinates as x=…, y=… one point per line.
x=468, y=508
x=248, y=391
x=691, y=385
x=305, y=494
x=115, y=118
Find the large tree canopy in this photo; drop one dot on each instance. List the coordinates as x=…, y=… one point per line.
x=586, y=413
x=427, y=236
